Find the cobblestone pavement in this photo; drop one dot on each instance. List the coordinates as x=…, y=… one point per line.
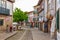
x=31, y=34
x=28, y=36
x=17, y=36
x=4, y=35
x=39, y=35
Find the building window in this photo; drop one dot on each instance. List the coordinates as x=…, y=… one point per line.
x=59, y=1
x=1, y=22
x=35, y=10
x=49, y=1
x=3, y=4
x=9, y=6
x=0, y=3
x=57, y=20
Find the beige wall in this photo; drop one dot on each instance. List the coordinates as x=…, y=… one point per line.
x=7, y=20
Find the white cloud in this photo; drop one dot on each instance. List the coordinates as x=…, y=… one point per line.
x=25, y=5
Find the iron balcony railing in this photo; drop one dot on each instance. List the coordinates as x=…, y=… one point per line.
x=4, y=11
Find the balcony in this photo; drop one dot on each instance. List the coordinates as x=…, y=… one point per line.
x=4, y=11
x=11, y=1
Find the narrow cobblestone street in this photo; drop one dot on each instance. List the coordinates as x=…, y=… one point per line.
x=31, y=34
x=30, y=20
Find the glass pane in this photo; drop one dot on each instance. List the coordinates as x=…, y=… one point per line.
x=3, y=4
x=59, y=1
x=49, y=1
x=9, y=6
x=1, y=22
x=57, y=20
x=0, y=3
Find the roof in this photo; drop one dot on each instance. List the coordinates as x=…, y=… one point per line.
x=35, y=5
x=39, y=2
x=11, y=1
x=30, y=12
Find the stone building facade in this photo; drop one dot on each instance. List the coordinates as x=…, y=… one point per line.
x=6, y=9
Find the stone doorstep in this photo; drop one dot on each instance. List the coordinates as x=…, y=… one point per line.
x=8, y=36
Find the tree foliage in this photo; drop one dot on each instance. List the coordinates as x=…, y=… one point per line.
x=19, y=15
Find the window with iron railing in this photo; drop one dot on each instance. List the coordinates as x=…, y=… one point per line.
x=9, y=6
x=3, y=9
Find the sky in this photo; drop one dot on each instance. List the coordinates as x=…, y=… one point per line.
x=25, y=5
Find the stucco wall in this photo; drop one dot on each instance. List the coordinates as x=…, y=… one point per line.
x=7, y=20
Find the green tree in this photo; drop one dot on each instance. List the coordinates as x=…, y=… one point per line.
x=19, y=15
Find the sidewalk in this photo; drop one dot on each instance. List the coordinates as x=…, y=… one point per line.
x=5, y=35
x=38, y=35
